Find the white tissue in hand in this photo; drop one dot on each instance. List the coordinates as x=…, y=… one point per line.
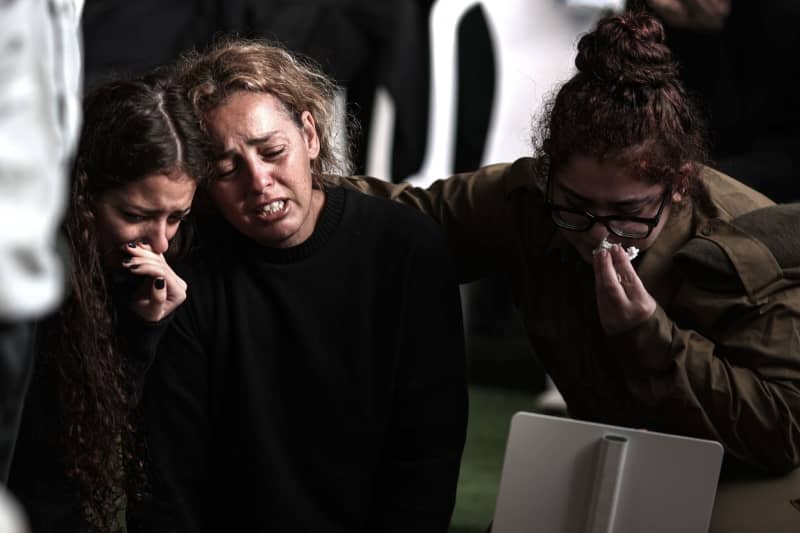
x=632, y=251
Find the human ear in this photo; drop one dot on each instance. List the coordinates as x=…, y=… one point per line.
x=681, y=185
x=310, y=136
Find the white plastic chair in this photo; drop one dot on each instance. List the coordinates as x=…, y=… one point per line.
x=534, y=43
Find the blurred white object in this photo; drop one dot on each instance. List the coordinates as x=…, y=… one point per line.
x=40, y=79
x=534, y=44
x=12, y=518
x=381, y=136
x=550, y=401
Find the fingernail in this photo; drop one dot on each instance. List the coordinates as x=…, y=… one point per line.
x=159, y=283
x=127, y=258
x=131, y=245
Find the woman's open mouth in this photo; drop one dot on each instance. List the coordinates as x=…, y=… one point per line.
x=273, y=210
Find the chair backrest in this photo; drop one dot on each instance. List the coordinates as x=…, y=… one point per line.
x=570, y=476
x=534, y=46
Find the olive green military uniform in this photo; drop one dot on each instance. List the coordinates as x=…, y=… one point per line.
x=720, y=357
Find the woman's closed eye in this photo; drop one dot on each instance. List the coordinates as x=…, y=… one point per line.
x=642, y=209
x=224, y=169
x=270, y=153
x=630, y=212
x=571, y=201
x=133, y=217
x=576, y=204
x=177, y=218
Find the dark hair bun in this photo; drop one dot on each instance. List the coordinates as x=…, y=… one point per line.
x=627, y=49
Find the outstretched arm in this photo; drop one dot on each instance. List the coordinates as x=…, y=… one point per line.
x=478, y=212
x=145, y=303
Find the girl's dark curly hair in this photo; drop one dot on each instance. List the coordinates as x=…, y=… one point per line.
x=626, y=103
x=131, y=129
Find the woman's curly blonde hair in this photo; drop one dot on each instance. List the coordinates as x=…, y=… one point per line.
x=235, y=64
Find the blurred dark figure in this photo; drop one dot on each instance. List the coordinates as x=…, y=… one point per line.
x=126, y=39
x=739, y=57
x=361, y=44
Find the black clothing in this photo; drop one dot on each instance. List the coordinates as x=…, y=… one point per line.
x=315, y=388
x=38, y=473
x=16, y=367
x=38, y=477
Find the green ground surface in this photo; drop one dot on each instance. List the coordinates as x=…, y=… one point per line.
x=490, y=414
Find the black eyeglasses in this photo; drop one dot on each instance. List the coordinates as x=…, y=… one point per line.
x=628, y=227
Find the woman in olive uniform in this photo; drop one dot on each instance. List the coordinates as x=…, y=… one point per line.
x=700, y=334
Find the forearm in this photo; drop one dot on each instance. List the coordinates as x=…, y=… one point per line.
x=139, y=342
x=741, y=395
